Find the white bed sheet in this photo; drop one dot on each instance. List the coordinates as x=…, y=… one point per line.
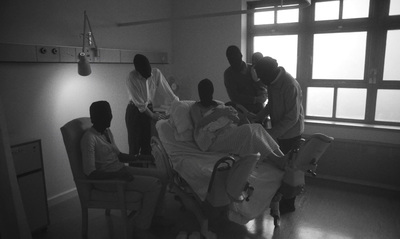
x=195, y=166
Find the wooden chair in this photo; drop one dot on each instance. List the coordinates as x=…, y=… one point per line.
x=89, y=196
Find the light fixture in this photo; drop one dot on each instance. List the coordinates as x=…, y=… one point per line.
x=88, y=47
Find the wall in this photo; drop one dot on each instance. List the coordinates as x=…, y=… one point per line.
x=199, y=52
x=199, y=44
x=39, y=98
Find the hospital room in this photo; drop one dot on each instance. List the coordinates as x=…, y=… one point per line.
x=59, y=57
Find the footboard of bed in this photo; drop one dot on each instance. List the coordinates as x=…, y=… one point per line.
x=180, y=188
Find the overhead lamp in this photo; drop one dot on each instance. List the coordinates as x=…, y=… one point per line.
x=89, y=46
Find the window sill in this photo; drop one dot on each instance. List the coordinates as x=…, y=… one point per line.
x=356, y=125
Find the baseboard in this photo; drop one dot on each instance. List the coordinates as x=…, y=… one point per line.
x=359, y=182
x=61, y=197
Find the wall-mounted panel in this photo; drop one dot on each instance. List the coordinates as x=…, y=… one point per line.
x=65, y=54
x=110, y=55
x=48, y=54
x=68, y=54
x=17, y=53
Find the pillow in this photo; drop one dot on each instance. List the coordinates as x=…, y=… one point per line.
x=180, y=115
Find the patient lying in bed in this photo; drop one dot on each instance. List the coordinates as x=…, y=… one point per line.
x=195, y=165
x=216, y=129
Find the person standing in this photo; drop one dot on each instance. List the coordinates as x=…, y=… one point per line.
x=146, y=86
x=285, y=109
x=239, y=83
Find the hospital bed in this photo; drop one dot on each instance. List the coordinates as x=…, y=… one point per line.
x=193, y=173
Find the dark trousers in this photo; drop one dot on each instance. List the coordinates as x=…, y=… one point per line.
x=139, y=130
x=287, y=204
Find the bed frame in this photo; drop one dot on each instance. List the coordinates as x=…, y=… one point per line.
x=304, y=159
x=180, y=188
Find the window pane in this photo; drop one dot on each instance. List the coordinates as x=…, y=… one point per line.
x=351, y=103
x=319, y=101
x=394, y=7
x=339, y=56
x=283, y=48
x=327, y=10
x=387, y=106
x=392, y=56
x=355, y=8
x=287, y=16
x=261, y=18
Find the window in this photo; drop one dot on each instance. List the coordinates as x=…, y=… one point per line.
x=344, y=53
x=282, y=47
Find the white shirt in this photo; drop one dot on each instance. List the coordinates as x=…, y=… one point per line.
x=155, y=90
x=98, y=153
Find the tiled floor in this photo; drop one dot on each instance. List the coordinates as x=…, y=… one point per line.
x=328, y=210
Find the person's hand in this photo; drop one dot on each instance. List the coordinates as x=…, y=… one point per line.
x=158, y=116
x=251, y=117
x=232, y=114
x=163, y=116
x=260, y=99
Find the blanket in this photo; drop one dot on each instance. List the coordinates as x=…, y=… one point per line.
x=195, y=166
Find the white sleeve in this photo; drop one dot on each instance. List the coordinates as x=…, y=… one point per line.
x=164, y=96
x=136, y=93
x=88, y=153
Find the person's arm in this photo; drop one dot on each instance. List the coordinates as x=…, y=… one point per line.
x=262, y=92
x=167, y=92
x=138, y=91
x=263, y=114
x=155, y=115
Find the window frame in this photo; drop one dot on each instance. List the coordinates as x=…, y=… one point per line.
x=377, y=24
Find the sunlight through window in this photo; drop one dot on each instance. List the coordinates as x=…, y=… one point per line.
x=355, y=9
x=394, y=7
x=392, y=56
x=351, y=103
x=288, y=16
x=283, y=48
x=320, y=101
x=387, y=108
x=326, y=10
x=261, y=18
x=339, y=56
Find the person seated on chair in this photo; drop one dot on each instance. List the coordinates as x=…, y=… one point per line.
x=216, y=129
x=102, y=159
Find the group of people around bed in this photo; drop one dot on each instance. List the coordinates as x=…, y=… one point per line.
x=217, y=127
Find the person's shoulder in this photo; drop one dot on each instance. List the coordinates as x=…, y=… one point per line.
x=133, y=74
x=155, y=70
x=88, y=135
x=228, y=73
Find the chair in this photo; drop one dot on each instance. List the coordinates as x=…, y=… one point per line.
x=89, y=196
x=303, y=159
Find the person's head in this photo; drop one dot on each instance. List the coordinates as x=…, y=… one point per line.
x=256, y=57
x=234, y=57
x=206, y=91
x=142, y=65
x=100, y=115
x=267, y=69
